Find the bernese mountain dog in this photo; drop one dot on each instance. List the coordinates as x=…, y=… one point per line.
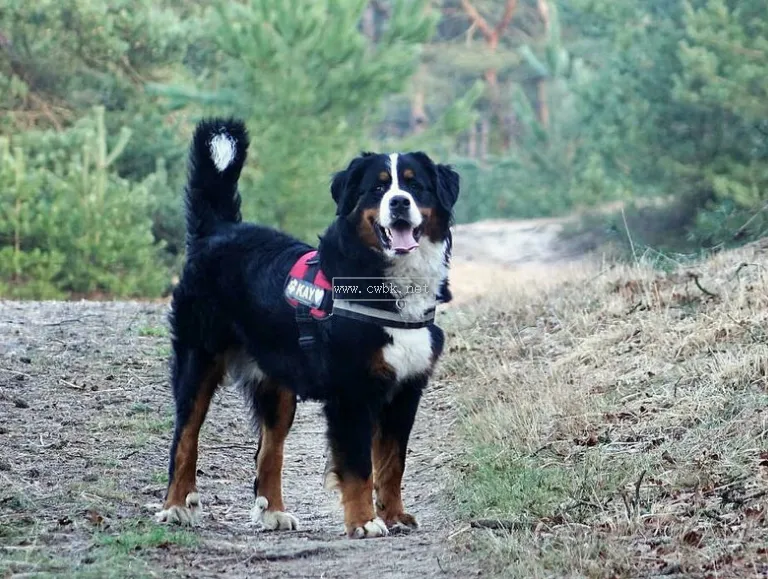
x=367, y=362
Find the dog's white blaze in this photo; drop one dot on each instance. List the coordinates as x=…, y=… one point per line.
x=222, y=149
x=385, y=215
x=393, y=169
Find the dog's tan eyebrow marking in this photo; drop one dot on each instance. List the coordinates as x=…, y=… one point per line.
x=384, y=176
x=408, y=174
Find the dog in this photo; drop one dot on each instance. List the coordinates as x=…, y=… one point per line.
x=367, y=362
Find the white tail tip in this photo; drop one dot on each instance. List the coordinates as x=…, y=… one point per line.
x=222, y=151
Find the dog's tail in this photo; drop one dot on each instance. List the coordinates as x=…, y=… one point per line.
x=218, y=151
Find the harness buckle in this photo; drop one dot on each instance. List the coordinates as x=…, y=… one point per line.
x=306, y=341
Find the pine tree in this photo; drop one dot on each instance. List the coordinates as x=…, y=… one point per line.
x=679, y=105
x=60, y=58
x=310, y=84
x=724, y=62
x=69, y=224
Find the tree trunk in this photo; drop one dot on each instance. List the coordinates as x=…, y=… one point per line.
x=418, y=109
x=492, y=36
x=472, y=142
x=369, y=23
x=485, y=137
x=542, y=107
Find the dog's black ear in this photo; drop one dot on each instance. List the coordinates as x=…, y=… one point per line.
x=447, y=186
x=344, y=184
x=339, y=188
x=446, y=180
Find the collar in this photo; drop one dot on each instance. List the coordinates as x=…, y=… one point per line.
x=363, y=313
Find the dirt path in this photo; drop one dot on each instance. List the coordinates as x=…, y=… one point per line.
x=493, y=254
x=85, y=424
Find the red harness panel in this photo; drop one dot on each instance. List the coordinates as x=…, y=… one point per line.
x=313, y=291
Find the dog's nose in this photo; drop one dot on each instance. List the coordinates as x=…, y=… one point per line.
x=399, y=202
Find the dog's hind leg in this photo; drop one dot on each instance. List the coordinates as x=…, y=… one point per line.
x=274, y=407
x=195, y=377
x=390, y=444
x=350, y=428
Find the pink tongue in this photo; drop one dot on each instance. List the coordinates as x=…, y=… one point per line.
x=403, y=240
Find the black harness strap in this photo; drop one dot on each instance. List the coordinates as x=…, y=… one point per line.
x=383, y=318
x=304, y=320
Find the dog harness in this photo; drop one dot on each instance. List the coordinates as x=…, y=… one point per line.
x=308, y=290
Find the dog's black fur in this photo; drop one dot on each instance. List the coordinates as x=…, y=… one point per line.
x=230, y=303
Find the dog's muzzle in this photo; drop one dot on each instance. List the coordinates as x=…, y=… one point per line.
x=400, y=228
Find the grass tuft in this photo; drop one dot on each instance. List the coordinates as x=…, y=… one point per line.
x=132, y=540
x=153, y=332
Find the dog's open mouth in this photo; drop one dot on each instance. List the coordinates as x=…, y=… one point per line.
x=401, y=236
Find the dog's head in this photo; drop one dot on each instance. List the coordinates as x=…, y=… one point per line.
x=396, y=200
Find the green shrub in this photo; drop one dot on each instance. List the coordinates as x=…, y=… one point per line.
x=69, y=224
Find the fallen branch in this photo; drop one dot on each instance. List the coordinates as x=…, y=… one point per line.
x=502, y=524
x=16, y=372
x=695, y=278
x=228, y=446
x=440, y=565
x=71, y=385
x=300, y=553
x=62, y=322
x=742, y=266
x=637, y=488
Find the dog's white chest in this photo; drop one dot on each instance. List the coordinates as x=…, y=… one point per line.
x=410, y=352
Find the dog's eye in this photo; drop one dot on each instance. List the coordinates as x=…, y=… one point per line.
x=380, y=188
x=415, y=186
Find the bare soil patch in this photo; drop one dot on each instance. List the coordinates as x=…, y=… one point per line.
x=491, y=255
x=86, y=417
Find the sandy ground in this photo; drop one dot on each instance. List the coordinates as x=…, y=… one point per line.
x=85, y=425
x=492, y=254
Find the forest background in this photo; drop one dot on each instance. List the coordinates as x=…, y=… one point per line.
x=546, y=108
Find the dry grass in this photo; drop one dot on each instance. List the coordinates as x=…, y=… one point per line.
x=618, y=420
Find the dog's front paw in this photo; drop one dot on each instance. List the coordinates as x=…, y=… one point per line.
x=272, y=520
x=373, y=528
x=188, y=514
x=401, y=522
